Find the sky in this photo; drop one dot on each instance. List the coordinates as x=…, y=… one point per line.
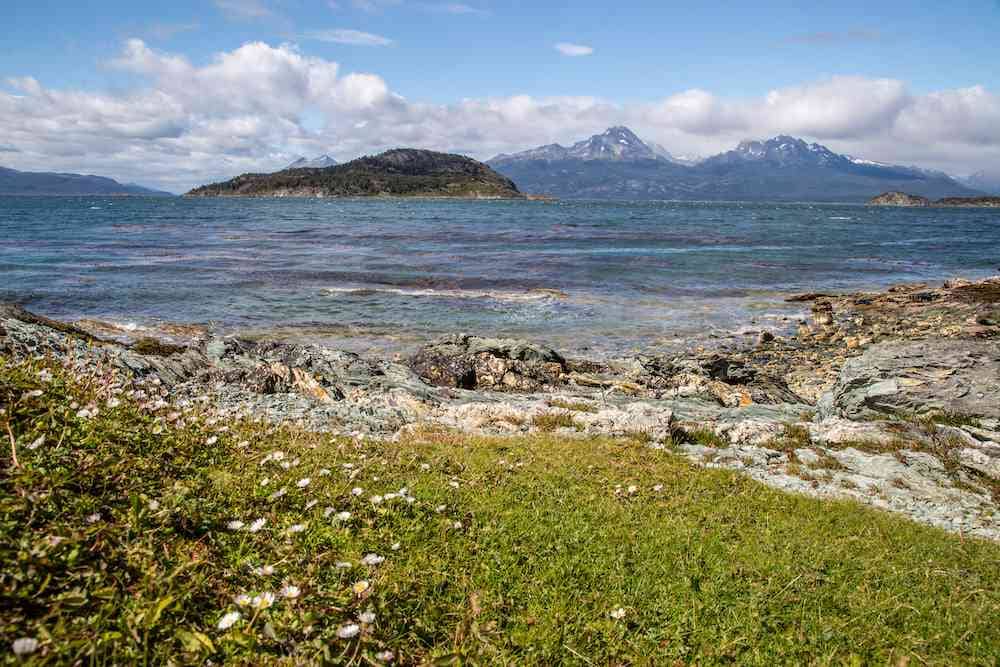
x=172, y=95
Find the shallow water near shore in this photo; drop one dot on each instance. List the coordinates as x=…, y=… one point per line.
x=601, y=278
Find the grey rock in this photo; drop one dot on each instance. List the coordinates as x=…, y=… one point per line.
x=472, y=362
x=955, y=376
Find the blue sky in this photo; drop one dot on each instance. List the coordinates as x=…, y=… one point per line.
x=636, y=63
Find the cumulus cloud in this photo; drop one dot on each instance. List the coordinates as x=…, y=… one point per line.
x=259, y=106
x=573, y=50
x=352, y=37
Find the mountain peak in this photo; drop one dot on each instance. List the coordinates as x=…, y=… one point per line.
x=321, y=162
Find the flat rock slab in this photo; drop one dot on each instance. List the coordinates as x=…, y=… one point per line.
x=952, y=376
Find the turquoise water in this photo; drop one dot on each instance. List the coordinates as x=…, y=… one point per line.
x=607, y=277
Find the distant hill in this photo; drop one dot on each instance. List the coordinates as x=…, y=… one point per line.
x=403, y=172
x=987, y=181
x=908, y=200
x=780, y=169
x=321, y=162
x=13, y=182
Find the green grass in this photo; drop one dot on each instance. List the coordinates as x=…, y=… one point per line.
x=514, y=551
x=550, y=421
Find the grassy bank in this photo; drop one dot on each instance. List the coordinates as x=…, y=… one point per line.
x=142, y=534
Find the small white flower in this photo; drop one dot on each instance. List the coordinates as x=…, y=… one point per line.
x=229, y=620
x=84, y=413
x=262, y=601
x=425, y=466
x=113, y=403
x=343, y=516
x=211, y=441
x=342, y=565
x=617, y=614
x=385, y=656
x=264, y=571
x=278, y=494
x=372, y=559
x=360, y=587
x=324, y=472
x=348, y=630
x=633, y=489
x=311, y=504
x=265, y=481
x=395, y=546
x=303, y=483
x=39, y=441
x=290, y=592
x=154, y=505
x=453, y=484
x=242, y=600
x=236, y=524
x=24, y=646
x=94, y=518
x=357, y=491
x=257, y=525
x=376, y=500
x=658, y=488
x=440, y=508
x=367, y=617
x=296, y=528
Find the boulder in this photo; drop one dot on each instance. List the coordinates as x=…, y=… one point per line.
x=919, y=377
x=501, y=364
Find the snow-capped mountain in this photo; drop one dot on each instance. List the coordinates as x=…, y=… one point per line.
x=619, y=165
x=320, y=162
x=615, y=144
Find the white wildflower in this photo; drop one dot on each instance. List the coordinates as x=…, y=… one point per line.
x=395, y=546
x=324, y=472
x=264, y=570
x=343, y=516
x=367, y=617
x=359, y=587
x=376, y=500
x=94, y=518
x=113, y=403
x=236, y=524
x=303, y=483
x=617, y=614
x=154, y=505
x=211, y=441
x=453, y=484
x=372, y=559
x=257, y=525
x=242, y=600
x=296, y=528
x=265, y=481
x=385, y=656
x=457, y=525
x=311, y=504
x=262, y=601
x=658, y=488
x=290, y=592
x=328, y=511
x=279, y=493
x=37, y=443
x=440, y=508
x=24, y=646
x=357, y=491
x=348, y=631
x=342, y=565
x=425, y=466
x=633, y=489
x=229, y=620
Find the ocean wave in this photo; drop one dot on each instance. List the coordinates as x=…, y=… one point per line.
x=538, y=294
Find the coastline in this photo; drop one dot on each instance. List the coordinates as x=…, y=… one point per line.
x=870, y=400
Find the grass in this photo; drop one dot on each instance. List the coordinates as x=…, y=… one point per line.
x=116, y=549
x=554, y=419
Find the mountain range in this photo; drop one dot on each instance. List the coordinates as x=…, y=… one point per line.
x=321, y=162
x=13, y=182
x=619, y=165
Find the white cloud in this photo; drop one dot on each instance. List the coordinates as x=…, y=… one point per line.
x=568, y=49
x=243, y=9
x=258, y=106
x=352, y=37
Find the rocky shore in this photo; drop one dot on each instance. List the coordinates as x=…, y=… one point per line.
x=889, y=398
